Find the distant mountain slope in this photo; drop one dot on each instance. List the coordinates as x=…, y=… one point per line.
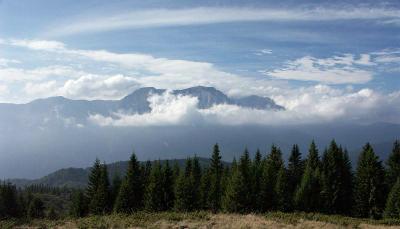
x=78, y=177
x=56, y=111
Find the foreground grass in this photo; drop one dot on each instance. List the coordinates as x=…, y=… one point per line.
x=205, y=220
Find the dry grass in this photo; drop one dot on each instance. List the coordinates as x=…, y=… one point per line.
x=207, y=220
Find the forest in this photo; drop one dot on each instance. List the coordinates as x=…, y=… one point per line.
x=316, y=182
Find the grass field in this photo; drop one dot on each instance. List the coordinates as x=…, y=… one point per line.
x=206, y=220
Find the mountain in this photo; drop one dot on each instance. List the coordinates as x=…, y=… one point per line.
x=47, y=134
x=56, y=111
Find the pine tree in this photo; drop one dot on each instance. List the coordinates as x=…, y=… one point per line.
x=184, y=194
x=154, y=200
x=283, y=196
x=78, y=206
x=101, y=200
x=216, y=169
x=205, y=189
x=393, y=165
x=36, y=208
x=94, y=180
x=196, y=174
x=257, y=171
x=168, y=187
x=273, y=164
x=369, y=184
x=392, y=209
x=238, y=193
x=116, y=185
x=295, y=171
x=307, y=197
x=130, y=197
x=8, y=201
x=235, y=190
x=336, y=192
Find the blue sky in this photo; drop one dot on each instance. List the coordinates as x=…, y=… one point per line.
x=286, y=50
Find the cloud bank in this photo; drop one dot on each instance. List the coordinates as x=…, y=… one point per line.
x=312, y=106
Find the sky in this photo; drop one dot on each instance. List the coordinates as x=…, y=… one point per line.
x=333, y=59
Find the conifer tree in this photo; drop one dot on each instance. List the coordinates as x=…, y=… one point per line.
x=205, y=189
x=392, y=209
x=307, y=197
x=216, y=169
x=295, y=171
x=238, y=192
x=393, y=165
x=130, y=197
x=184, y=194
x=36, y=208
x=257, y=172
x=168, y=187
x=336, y=174
x=8, y=201
x=154, y=198
x=94, y=180
x=196, y=174
x=369, y=184
x=100, y=201
x=283, y=195
x=273, y=164
x=116, y=185
x=78, y=206
x=235, y=190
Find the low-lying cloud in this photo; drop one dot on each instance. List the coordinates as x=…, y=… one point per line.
x=314, y=105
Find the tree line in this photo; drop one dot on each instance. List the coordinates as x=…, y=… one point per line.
x=323, y=183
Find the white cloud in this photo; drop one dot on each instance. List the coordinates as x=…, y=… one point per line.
x=167, y=109
x=263, y=52
x=335, y=70
x=36, y=44
x=5, y=62
x=8, y=74
x=92, y=22
x=388, y=59
x=318, y=104
x=98, y=87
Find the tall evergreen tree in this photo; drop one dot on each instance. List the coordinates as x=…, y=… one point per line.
x=283, y=195
x=155, y=190
x=234, y=192
x=205, y=189
x=8, y=201
x=295, y=171
x=369, y=184
x=184, y=193
x=130, y=197
x=392, y=209
x=307, y=197
x=336, y=173
x=393, y=165
x=101, y=200
x=257, y=172
x=216, y=169
x=168, y=187
x=94, y=180
x=273, y=164
x=78, y=206
x=196, y=173
x=116, y=185
x=238, y=192
x=36, y=208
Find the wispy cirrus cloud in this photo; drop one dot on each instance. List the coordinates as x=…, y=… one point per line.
x=196, y=16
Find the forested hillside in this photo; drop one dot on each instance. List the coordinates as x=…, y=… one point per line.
x=323, y=182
